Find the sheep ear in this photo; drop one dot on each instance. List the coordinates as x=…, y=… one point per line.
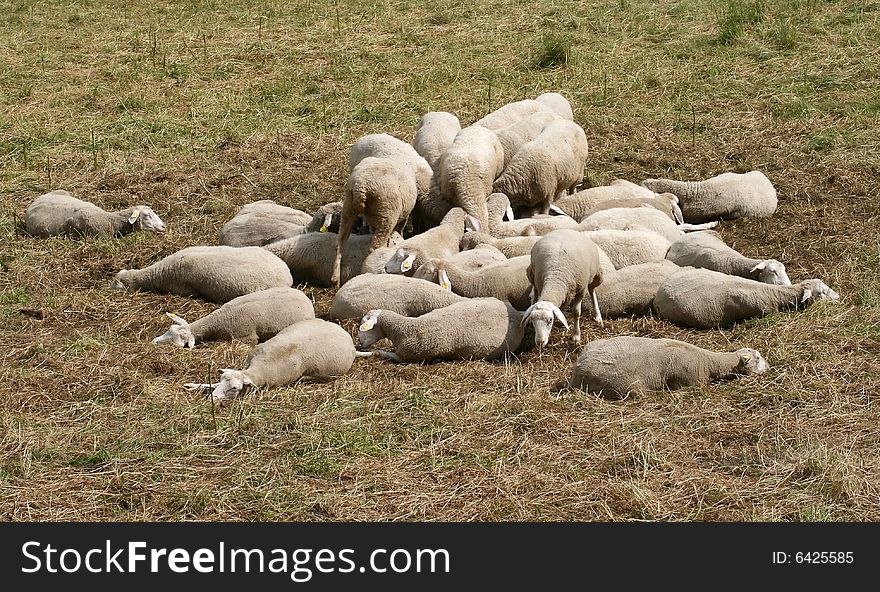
x=328, y=219
x=406, y=264
x=225, y=370
x=807, y=294
x=135, y=214
x=444, y=280
x=759, y=266
x=367, y=324
x=557, y=210
x=746, y=357
x=508, y=213
x=526, y=316
x=558, y=314
x=177, y=320
x=191, y=342
x=473, y=223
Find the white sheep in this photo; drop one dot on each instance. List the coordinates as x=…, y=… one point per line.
x=215, y=273
x=311, y=349
x=558, y=103
x=59, y=213
x=477, y=258
x=513, y=112
x=724, y=197
x=408, y=296
x=630, y=291
x=666, y=203
x=481, y=328
x=622, y=366
x=439, y=242
x=512, y=246
x=642, y=218
x=258, y=227
x=467, y=170
x=563, y=269
x=516, y=135
x=578, y=204
x=630, y=247
x=434, y=135
x=257, y=316
x=546, y=167
x=311, y=257
x=506, y=281
x=268, y=207
x=707, y=249
x=706, y=299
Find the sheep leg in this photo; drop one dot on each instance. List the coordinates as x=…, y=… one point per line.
x=695, y=227
x=195, y=387
x=345, y=227
x=597, y=315
x=576, y=308
x=388, y=356
x=545, y=206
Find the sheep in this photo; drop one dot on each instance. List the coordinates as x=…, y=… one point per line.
x=311, y=349
x=477, y=258
x=482, y=328
x=498, y=207
x=311, y=259
x=386, y=178
x=59, y=213
x=643, y=218
x=259, y=227
x=578, y=204
x=439, y=242
x=545, y=167
x=513, y=246
x=468, y=168
x=505, y=281
x=407, y=296
x=724, y=197
x=630, y=247
x=214, y=273
x=434, y=134
x=630, y=291
x=707, y=299
x=618, y=367
x=707, y=249
x=558, y=103
x=666, y=203
x=513, y=112
x=515, y=136
x=254, y=317
x=563, y=269
x=268, y=207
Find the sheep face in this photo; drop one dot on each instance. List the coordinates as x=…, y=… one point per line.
x=676, y=209
x=368, y=331
x=402, y=262
x=751, y=362
x=542, y=314
x=179, y=333
x=232, y=384
x=118, y=282
x=817, y=290
x=772, y=271
x=144, y=218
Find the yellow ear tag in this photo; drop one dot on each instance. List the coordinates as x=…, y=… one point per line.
x=747, y=358
x=366, y=326
x=406, y=264
x=133, y=218
x=324, y=228
x=445, y=285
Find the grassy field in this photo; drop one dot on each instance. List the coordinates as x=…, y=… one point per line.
x=196, y=108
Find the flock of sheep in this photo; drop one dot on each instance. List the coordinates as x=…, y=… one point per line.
x=497, y=241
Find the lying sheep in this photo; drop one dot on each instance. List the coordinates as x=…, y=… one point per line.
x=439, y=242
x=482, y=328
x=630, y=247
x=477, y=258
x=467, y=170
x=622, y=366
x=59, y=213
x=259, y=227
x=515, y=136
x=410, y=297
x=513, y=112
x=558, y=103
x=217, y=274
x=564, y=268
x=268, y=207
x=513, y=246
x=577, y=205
x=434, y=135
x=706, y=249
x=386, y=178
x=727, y=196
x=546, y=167
x=311, y=257
x=705, y=299
x=499, y=210
x=640, y=219
x=257, y=316
x=666, y=203
x=630, y=291
x=505, y=281
x=311, y=349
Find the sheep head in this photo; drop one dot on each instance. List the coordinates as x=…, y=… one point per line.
x=233, y=383
x=144, y=218
x=369, y=331
x=817, y=290
x=771, y=271
x=751, y=362
x=179, y=333
x=404, y=261
x=118, y=282
x=542, y=314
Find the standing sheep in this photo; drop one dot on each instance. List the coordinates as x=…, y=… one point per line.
x=217, y=274
x=312, y=349
x=513, y=112
x=482, y=328
x=706, y=249
x=468, y=168
x=564, y=268
x=59, y=213
x=515, y=136
x=434, y=135
x=546, y=167
x=707, y=299
x=558, y=103
x=408, y=296
x=257, y=316
x=622, y=366
x=727, y=196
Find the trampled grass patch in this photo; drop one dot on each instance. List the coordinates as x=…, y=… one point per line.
x=196, y=108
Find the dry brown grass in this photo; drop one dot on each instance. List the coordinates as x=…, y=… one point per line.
x=199, y=107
